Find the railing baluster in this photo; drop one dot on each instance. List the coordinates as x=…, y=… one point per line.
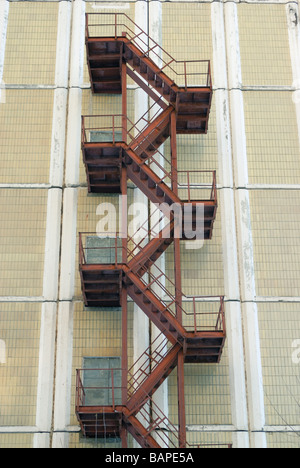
x=113, y=389
x=195, y=318
x=189, y=190
x=113, y=119
x=116, y=25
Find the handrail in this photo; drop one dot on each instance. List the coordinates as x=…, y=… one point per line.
x=157, y=279
x=168, y=176
x=171, y=298
x=150, y=359
x=229, y=446
x=80, y=392
x=121, y=25
x=157, y=422
x=143, y=233
x=111, y=235
x=82, y=389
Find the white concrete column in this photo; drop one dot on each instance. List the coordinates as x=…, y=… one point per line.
x=73, y=153
x=45, y=375
x=63, y=384
x=4, y=10
x=140, y=322
x=229, y=238
x=244, y=234
x=161, y=396
x=293, y=21
x=52, y=245
x=53, y=225
x=57, y=152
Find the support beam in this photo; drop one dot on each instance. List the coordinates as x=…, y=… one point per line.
x=124, y=359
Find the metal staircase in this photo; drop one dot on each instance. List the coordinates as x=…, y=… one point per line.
x=114, y=150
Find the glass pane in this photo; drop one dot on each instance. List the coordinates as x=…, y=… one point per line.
x=97, y=381
x=102, y=250
x=104, y=137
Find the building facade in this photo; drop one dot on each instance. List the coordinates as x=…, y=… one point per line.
x=251, y=398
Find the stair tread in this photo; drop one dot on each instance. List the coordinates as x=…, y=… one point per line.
x=104, y=56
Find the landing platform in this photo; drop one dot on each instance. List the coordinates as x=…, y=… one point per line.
x=100, y=422
x=206, y=348
x=101, y=285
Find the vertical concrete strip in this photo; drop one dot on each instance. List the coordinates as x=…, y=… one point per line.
x=255, y=392
x=141, y=322
x=160, y=397
x=53, y=225
x=45, y=376
x=4, y=10
x=141, y=325
x=63, y=383
x=293, y=21
x=229, y=238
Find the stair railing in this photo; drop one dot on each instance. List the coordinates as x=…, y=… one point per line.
x=159, y=284
x=147, y=363
x=136, y=241
x=121, y=25
x=101, y=383
x=187, y=181
x=144, y=120
x=115, y=249
x=164, y=289
x=160, y=426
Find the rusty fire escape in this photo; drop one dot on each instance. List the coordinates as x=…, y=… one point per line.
x=115, y=150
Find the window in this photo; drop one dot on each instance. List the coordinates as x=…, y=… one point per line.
x=102, y=250
x=102, y=378
x=104, y=137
